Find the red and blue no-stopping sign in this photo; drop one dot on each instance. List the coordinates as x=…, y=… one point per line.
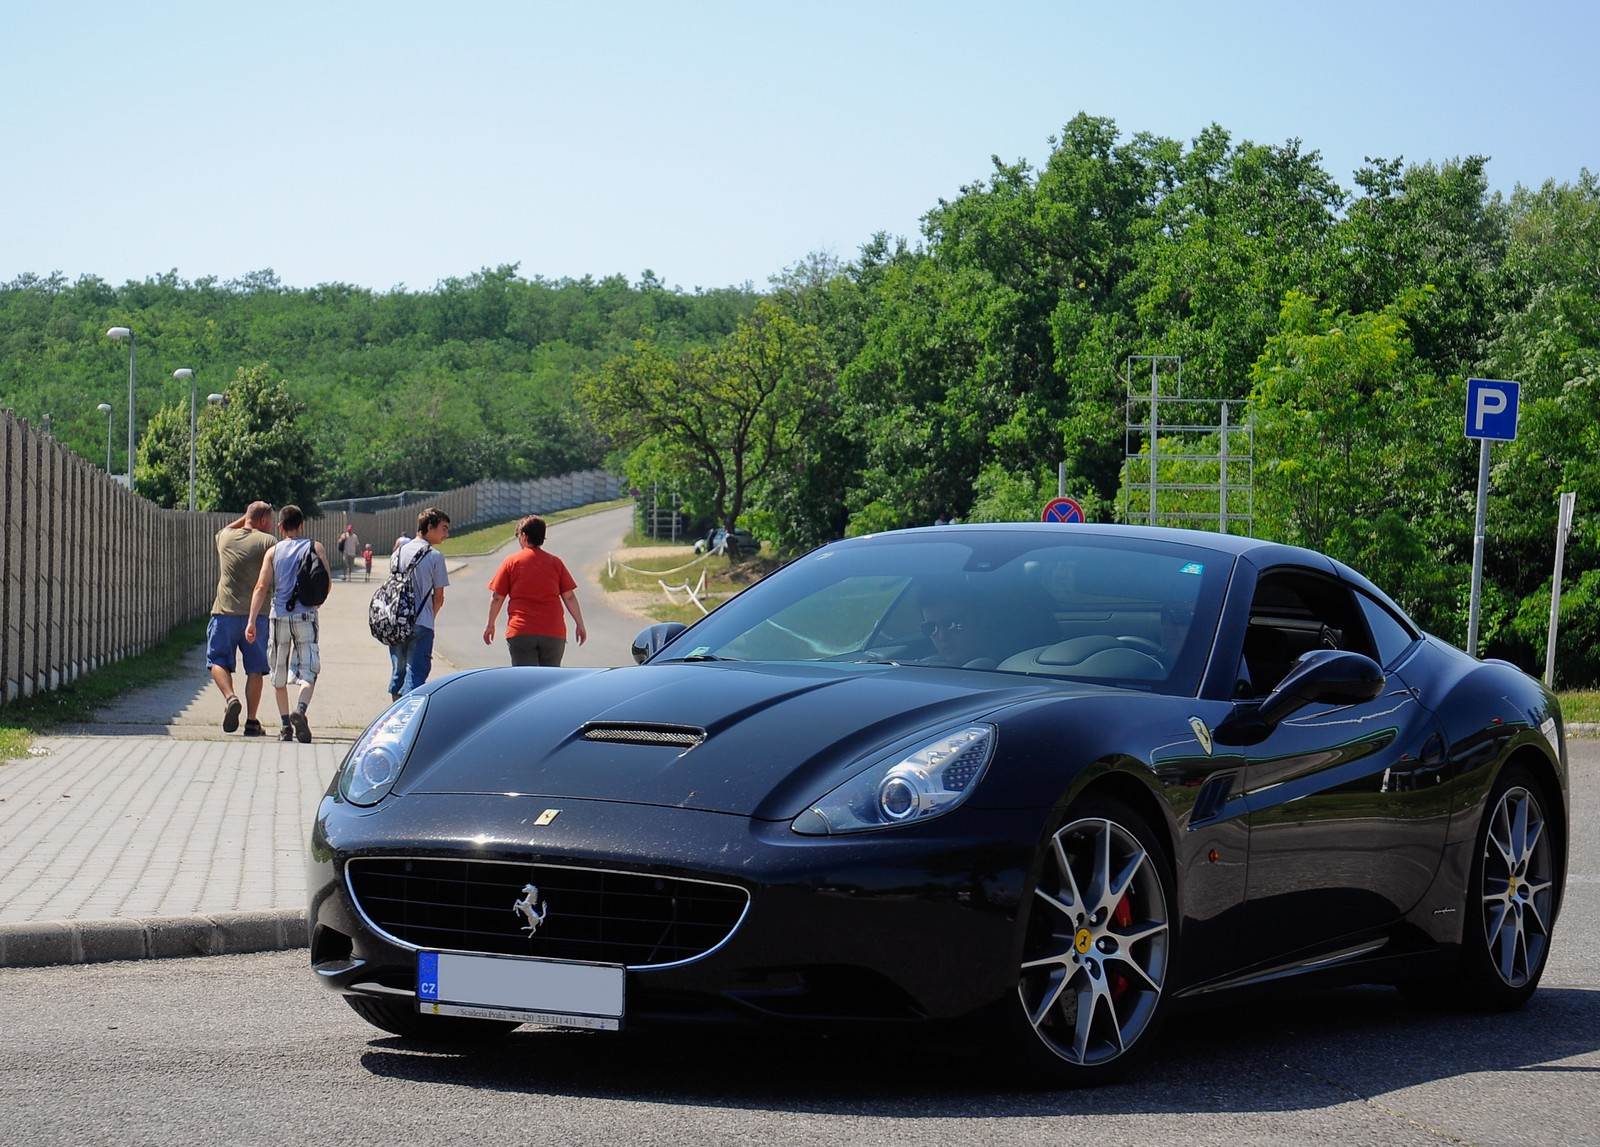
x=1062, y=510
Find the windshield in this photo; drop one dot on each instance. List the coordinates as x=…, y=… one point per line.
x=1060, y=603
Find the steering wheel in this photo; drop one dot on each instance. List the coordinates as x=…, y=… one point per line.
x=1145, y=645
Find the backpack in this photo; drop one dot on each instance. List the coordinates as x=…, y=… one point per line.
x=311, y=581
x=392, y=615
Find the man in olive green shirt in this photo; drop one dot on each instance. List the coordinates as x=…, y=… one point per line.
x=241, y=544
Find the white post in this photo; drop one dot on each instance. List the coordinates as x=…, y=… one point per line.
x=1563, y=527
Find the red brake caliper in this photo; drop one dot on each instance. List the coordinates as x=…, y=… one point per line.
x=1121, y=916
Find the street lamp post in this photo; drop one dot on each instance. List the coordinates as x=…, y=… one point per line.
x=125, y=333
x=217, y=399
x=185, y=372
x=105, y=408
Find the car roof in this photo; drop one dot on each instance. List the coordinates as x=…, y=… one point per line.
x=1260, y=552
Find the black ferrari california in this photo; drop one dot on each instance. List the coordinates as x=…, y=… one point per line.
x=1045, y=782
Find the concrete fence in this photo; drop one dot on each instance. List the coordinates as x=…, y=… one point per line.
x=91, y=573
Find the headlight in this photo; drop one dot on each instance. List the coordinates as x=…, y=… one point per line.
x=902, y=788
x=374, y=765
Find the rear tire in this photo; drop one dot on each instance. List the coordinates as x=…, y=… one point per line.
x=401, y=1018
x=1511, y=903
x=1511, y=899
x=1091, y=991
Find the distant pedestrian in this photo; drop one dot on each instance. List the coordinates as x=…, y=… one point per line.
x=294, y=630
x=240, y=547
x=537, y=585
x=411, y=661
x=349, y=548
x=366, y=555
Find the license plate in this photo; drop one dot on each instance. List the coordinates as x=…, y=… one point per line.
x=521, y=989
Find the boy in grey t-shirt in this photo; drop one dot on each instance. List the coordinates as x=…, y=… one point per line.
x=411, y=661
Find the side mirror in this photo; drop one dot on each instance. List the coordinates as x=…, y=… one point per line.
x=653, y=638
x=1323, y=677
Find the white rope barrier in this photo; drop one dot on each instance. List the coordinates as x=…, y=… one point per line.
x=695, y=592
x=612, y=565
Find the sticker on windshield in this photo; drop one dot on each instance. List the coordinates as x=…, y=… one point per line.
x=1193, y=568
x=699, y=651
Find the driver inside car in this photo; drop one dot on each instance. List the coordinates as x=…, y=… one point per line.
x=955, y=620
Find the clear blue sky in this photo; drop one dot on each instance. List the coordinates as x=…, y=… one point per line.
x=396, y=143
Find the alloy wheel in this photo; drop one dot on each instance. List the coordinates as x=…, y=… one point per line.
x=1518, y=887
x=1100, y=943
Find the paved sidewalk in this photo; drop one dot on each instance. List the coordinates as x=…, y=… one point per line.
x=153, y=833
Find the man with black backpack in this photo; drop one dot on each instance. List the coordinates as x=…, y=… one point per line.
x=294, y=573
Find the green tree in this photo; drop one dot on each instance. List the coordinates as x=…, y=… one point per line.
x=255, y=447
x=1355, y=448
x=734, y=412
x=163, y=473
x=1549, y=341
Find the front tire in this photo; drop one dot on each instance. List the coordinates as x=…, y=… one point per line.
x=1099, y=947
x=401, y=1018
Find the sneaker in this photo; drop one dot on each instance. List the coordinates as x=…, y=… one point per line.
x=286, y=733
x=230, y=717
x=252, y=728
x=302, y=731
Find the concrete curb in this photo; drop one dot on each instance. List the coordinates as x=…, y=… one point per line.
x=148, y=938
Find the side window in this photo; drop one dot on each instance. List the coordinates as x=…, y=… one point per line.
x=1392, y=636
x=1292, y=613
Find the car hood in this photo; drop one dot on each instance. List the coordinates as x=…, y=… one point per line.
x=750, y=740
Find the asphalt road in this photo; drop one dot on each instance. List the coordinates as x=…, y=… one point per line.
x=249, y=1049
x=582, y=543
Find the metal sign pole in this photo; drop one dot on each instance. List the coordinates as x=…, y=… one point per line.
x=1477, y=548
x=1563, y=528
x=1492, y=410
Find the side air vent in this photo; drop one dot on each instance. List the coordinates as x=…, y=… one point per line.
x=678, y=736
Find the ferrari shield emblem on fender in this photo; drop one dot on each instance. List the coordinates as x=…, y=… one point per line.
x=1201, y=733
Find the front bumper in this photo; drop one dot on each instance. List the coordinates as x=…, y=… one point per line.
x=917, y=922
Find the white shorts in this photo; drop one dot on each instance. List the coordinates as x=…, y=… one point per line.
x=295, y=638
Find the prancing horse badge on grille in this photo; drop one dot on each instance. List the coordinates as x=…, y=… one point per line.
x=530, y=909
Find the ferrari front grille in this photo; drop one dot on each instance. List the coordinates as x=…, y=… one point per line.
x=544, y=910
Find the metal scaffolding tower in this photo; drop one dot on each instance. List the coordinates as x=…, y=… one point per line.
x=1186, y=461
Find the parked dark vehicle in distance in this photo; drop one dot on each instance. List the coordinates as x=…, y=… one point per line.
x=739, y=544
x=1044, y=783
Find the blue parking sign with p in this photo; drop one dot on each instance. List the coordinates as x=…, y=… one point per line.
x=1492, y=408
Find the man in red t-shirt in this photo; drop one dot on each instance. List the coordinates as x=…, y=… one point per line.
x=537, y=585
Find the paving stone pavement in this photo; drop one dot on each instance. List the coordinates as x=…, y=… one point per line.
x=152, y=832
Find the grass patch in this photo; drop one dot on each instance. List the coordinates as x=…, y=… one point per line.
x=1580, y=705
x=675, y=566
x=487, y=537
x=78, y=701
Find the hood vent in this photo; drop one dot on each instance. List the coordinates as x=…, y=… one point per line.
x=677, y=736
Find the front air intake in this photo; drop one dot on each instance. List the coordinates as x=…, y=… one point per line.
x=678, y=736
